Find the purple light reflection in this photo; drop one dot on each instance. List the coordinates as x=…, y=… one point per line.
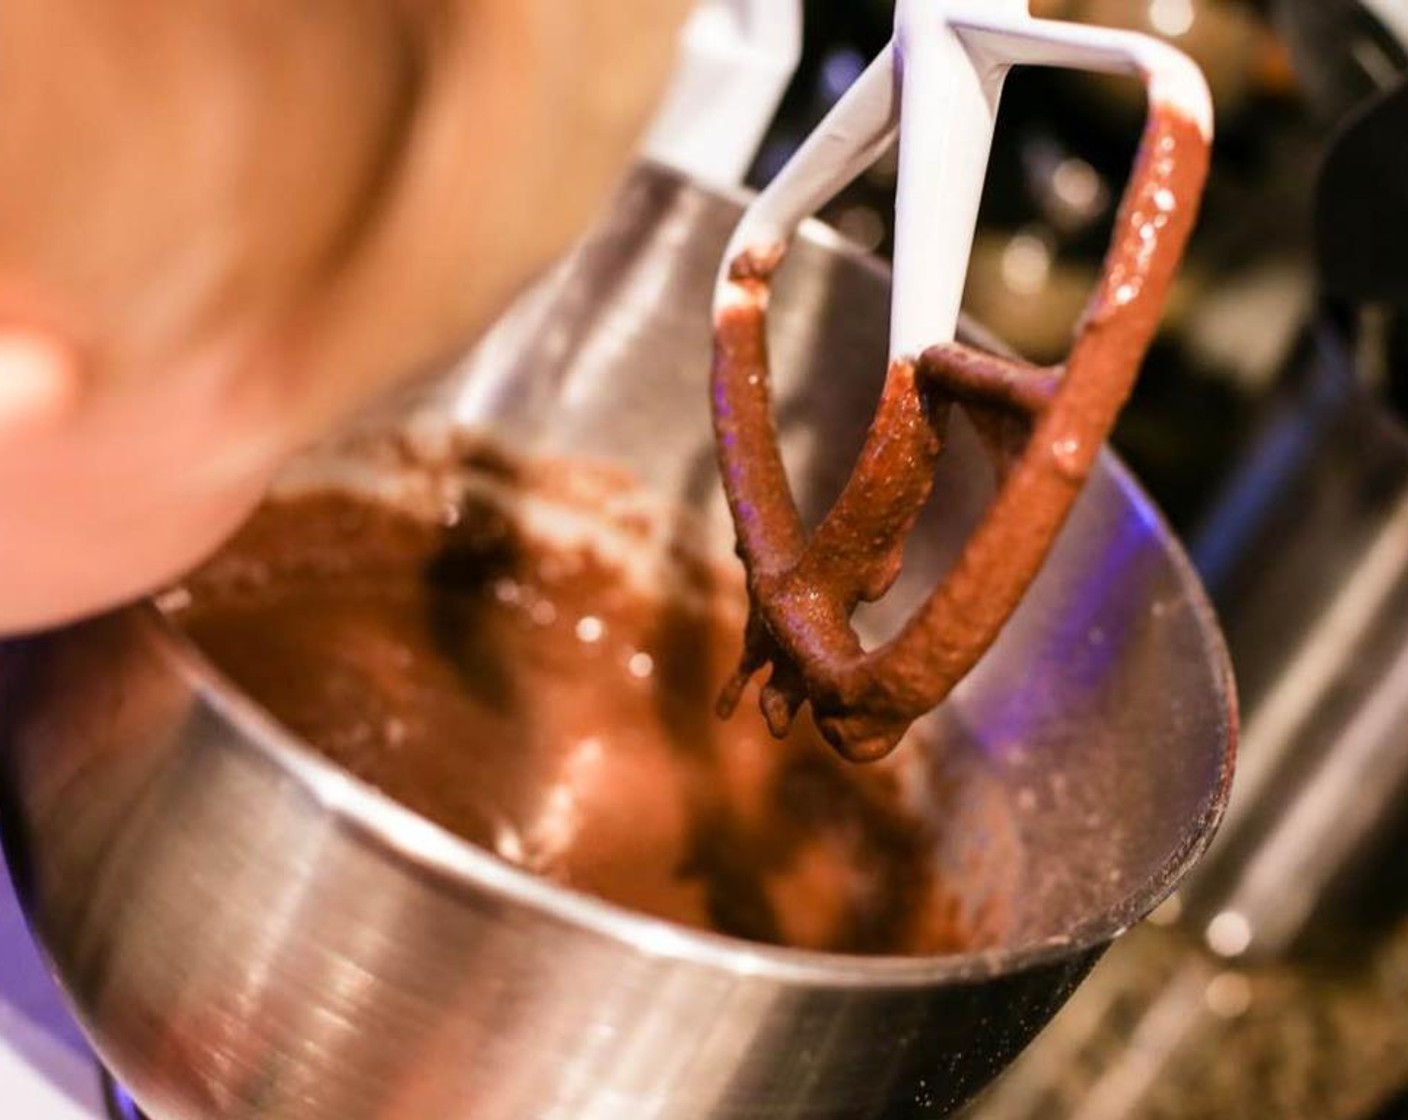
x=120, y=1105
x=1090, y=630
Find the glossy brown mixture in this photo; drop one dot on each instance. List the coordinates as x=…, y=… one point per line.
x=1043, y=428
x=536, y=701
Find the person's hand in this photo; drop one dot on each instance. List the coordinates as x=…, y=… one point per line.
x=226, y=223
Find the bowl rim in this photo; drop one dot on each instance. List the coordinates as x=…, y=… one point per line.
x=374, y=819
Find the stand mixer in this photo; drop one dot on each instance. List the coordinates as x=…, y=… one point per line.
x=246, y=931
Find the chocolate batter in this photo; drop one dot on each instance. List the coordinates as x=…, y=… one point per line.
x=536, y=700
x=1043, y=427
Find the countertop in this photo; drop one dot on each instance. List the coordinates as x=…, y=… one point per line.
x=1164, y=1031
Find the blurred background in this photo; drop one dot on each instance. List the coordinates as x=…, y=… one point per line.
x=1268, y=425
x=1064, y=149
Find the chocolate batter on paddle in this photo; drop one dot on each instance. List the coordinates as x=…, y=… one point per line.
x=1043, y=428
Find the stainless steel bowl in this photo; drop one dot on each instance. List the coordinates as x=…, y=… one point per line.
x=245, y=931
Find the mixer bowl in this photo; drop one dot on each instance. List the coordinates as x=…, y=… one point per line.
x=246, y=931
